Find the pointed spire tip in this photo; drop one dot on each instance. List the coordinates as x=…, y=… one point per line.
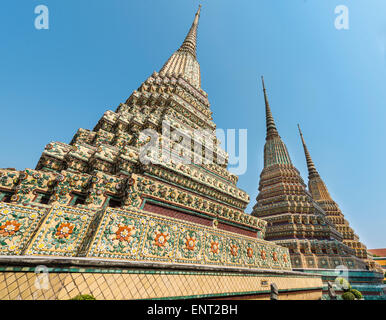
x=270, y=123
x=198, y=13
x=300, y=131
x=312, y=172
x=190, y=42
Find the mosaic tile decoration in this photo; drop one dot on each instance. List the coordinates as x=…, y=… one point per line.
x=62, y=232
x=299, y=218
x=17, y=224
x=321, y=195
x=140, y=236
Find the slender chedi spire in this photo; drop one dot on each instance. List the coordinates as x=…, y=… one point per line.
x=312, y=172
x=275, y=151
x=294, y=219
x=271, y=127
x=320, y=194
x=190, y=42
x=316, y=185
x=183, y=63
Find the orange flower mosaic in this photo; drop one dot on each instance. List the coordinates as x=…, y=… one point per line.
x=285, y=258
x=64, y=230
x=263, y=254
x=161, y=239
x=125, y=233
x=274, y=256
x=190, y=243
x=234, y=250
x=214, y=247
x=9, y=228
x=250, y=252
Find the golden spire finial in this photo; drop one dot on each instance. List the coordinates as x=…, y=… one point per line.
x=312, y=172
x=197, y=14
x=271, y=127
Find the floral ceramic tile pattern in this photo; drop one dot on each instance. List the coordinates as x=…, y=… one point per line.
x=17, y=223
x=30, y=181
x=160, y=239
x=214, y=247
x=69, y=182
x=119, y=236
x=149, y=187
x=140, y=236
x=190, y=245
x=62, y=232
x=131, y=235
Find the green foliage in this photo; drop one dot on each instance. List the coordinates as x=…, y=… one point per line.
x=84, y=297
x=348, y=296
x=343, y=284
x=356, y=293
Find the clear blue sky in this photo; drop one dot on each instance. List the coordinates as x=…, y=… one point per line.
x=95, y=53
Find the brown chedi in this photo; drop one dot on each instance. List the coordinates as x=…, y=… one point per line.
x=294, y=219
x=320, y=194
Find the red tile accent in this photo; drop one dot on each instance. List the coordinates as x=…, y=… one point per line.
x=196, y=219
x=176, y=214
x=234, y=229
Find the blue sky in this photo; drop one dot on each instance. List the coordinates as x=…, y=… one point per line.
x=95, y=53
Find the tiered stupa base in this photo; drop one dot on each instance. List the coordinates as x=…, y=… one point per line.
x=134, y=254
